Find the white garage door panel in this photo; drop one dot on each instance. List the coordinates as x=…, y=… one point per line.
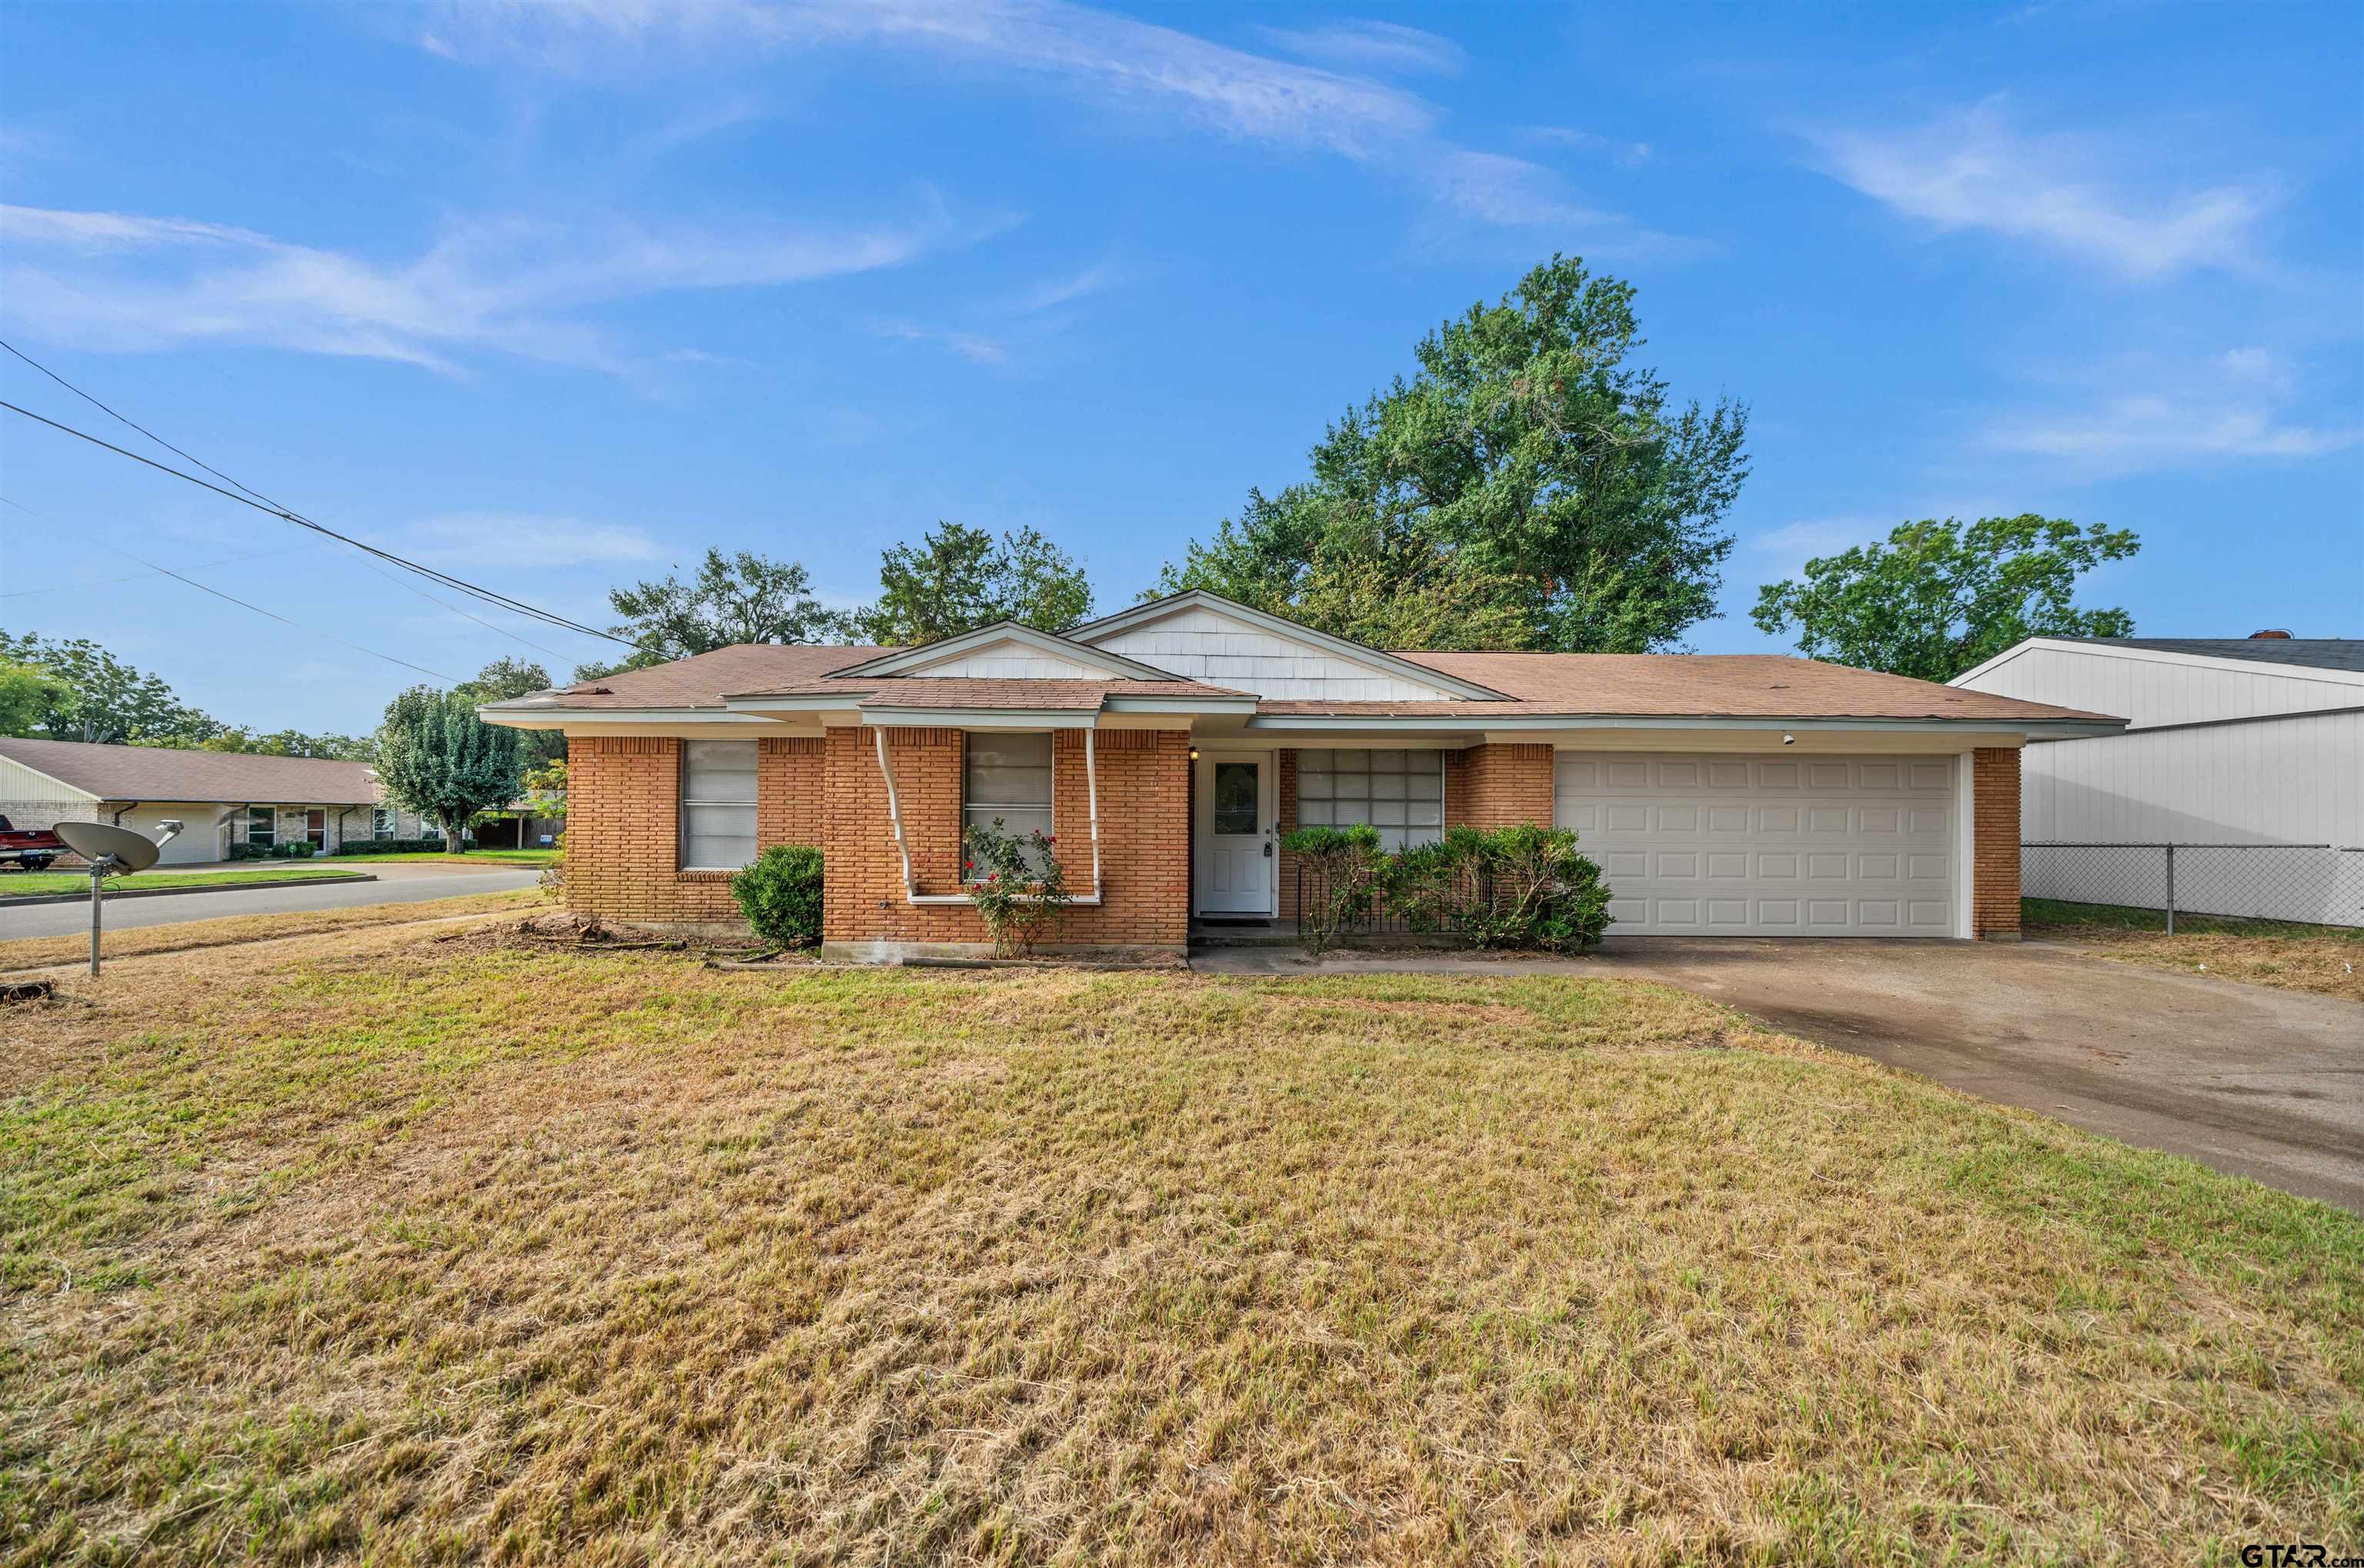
x=1747, y=846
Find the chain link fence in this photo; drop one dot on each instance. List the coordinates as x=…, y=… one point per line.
x=2192, y=887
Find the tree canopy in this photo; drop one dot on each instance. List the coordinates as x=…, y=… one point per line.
x=505, y=679
x=1937, y=598
x=958, y=578
x=737, y=599
x=436, y=757
x=1529, y=487
x=96, y=696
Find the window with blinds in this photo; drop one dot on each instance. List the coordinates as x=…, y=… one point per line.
x=718, y=804
x=1008, y=778
x=1400, y=792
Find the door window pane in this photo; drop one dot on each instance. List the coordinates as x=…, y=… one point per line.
x=718, y=804
x=1236, y=797
x=1400, y=793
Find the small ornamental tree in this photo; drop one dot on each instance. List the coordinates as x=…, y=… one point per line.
x=1017, y=884
x=1346, y=863
x=437, y=758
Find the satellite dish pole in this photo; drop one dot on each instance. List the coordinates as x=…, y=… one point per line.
x=110, y=850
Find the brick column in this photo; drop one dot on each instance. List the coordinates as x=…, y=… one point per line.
x=1501, y=784
x=1994, y=844
x=1284, y=822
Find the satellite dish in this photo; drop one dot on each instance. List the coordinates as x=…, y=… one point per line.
x=99, y=843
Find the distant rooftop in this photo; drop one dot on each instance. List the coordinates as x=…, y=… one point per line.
x=2318, y=652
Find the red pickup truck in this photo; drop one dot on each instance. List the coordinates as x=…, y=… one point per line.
x=30, y=849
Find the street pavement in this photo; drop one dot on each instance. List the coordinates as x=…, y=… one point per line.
x=401, y=883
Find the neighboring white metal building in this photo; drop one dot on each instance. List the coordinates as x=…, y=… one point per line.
x=2251, y=740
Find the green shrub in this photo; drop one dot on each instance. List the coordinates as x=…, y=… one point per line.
x=1521, y=886
x=780, y=894
x=1348, y=866
x=1017, y=884
x=291, y=849
x=433, y=846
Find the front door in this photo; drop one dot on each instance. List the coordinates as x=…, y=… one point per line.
x=316, y=828
x=1236, y=854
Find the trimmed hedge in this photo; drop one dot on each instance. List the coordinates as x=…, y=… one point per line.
x=780, y=894
x=397, y=846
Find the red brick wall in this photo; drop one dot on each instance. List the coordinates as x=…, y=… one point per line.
x=1501, y=784
x=1994, y=844
x=1144, y=784
x=623, y=825
x=1284, y=822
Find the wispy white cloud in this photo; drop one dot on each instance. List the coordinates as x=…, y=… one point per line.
x=506, y=537
x=1114, y=60
x=1782, y=552
x=2083, y=194
x=1068, y=288
x=1624, y=154
x=1358, y=45
x=507, y=286
x=2152, y=415
x=975, y=347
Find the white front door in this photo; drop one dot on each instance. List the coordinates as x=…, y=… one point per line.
x=1236, y=854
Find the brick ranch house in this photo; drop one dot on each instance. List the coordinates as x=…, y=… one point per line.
x=1170, y=745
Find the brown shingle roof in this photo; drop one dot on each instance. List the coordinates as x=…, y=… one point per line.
x=1753, y=685
x=230, y=778
x=953, y=691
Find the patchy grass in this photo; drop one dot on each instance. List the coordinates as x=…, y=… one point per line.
x=2325, y=960
x=27, y=884
x=472, y=858
x=418, y=1251
x=182, y=936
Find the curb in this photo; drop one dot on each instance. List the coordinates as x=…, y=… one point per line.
x=32, y=899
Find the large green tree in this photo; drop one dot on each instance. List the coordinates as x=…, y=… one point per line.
x=958, y=578
x=1529, y=482
x=1937, y=598
x=28, y=694
x=505, y=679
x=436, y=757
x=289, y=743
x=737, y=599
x=100, y=698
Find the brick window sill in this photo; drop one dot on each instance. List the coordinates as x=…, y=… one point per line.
x=681, y=876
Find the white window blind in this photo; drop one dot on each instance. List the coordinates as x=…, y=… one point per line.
x=1008, y=778
x=1400, y=792
x=718, y=804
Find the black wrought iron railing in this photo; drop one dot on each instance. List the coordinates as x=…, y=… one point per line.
x=1372, y=910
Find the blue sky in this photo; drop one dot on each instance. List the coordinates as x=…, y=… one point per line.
x=555, y=296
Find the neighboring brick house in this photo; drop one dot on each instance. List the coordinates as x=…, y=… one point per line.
x=1170, y=746
x=220, y=798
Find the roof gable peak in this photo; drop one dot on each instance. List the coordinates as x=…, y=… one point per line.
x=1007, y=650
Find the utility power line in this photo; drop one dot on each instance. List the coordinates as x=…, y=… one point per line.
x=274, y=507
x=488, y=596
x=242, y=604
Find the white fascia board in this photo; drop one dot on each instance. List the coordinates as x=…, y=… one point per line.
x=910, y=659
x=845, y=702
x=1478, y=718
x=594, y=718
x=2168, y=656
x=1182, y=704
x=1281, y=626
x=980, y=717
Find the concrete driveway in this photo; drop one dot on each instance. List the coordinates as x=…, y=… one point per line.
x=396, y=884
x=2259, y=1083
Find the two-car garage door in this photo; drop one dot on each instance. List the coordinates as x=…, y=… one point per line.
x=1725, y=845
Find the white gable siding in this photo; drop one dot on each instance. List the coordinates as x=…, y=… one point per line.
x=1010, y=662
x=2164, y=689
x=1200, y=644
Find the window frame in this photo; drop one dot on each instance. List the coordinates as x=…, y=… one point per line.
x=683, y=800
x=383, y=822
x=1426, y=832
x=270, y=815
x=1049, y=808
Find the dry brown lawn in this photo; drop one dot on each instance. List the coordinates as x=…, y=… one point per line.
x=386, y=1248
x=2323, y=960
x=182, y=936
